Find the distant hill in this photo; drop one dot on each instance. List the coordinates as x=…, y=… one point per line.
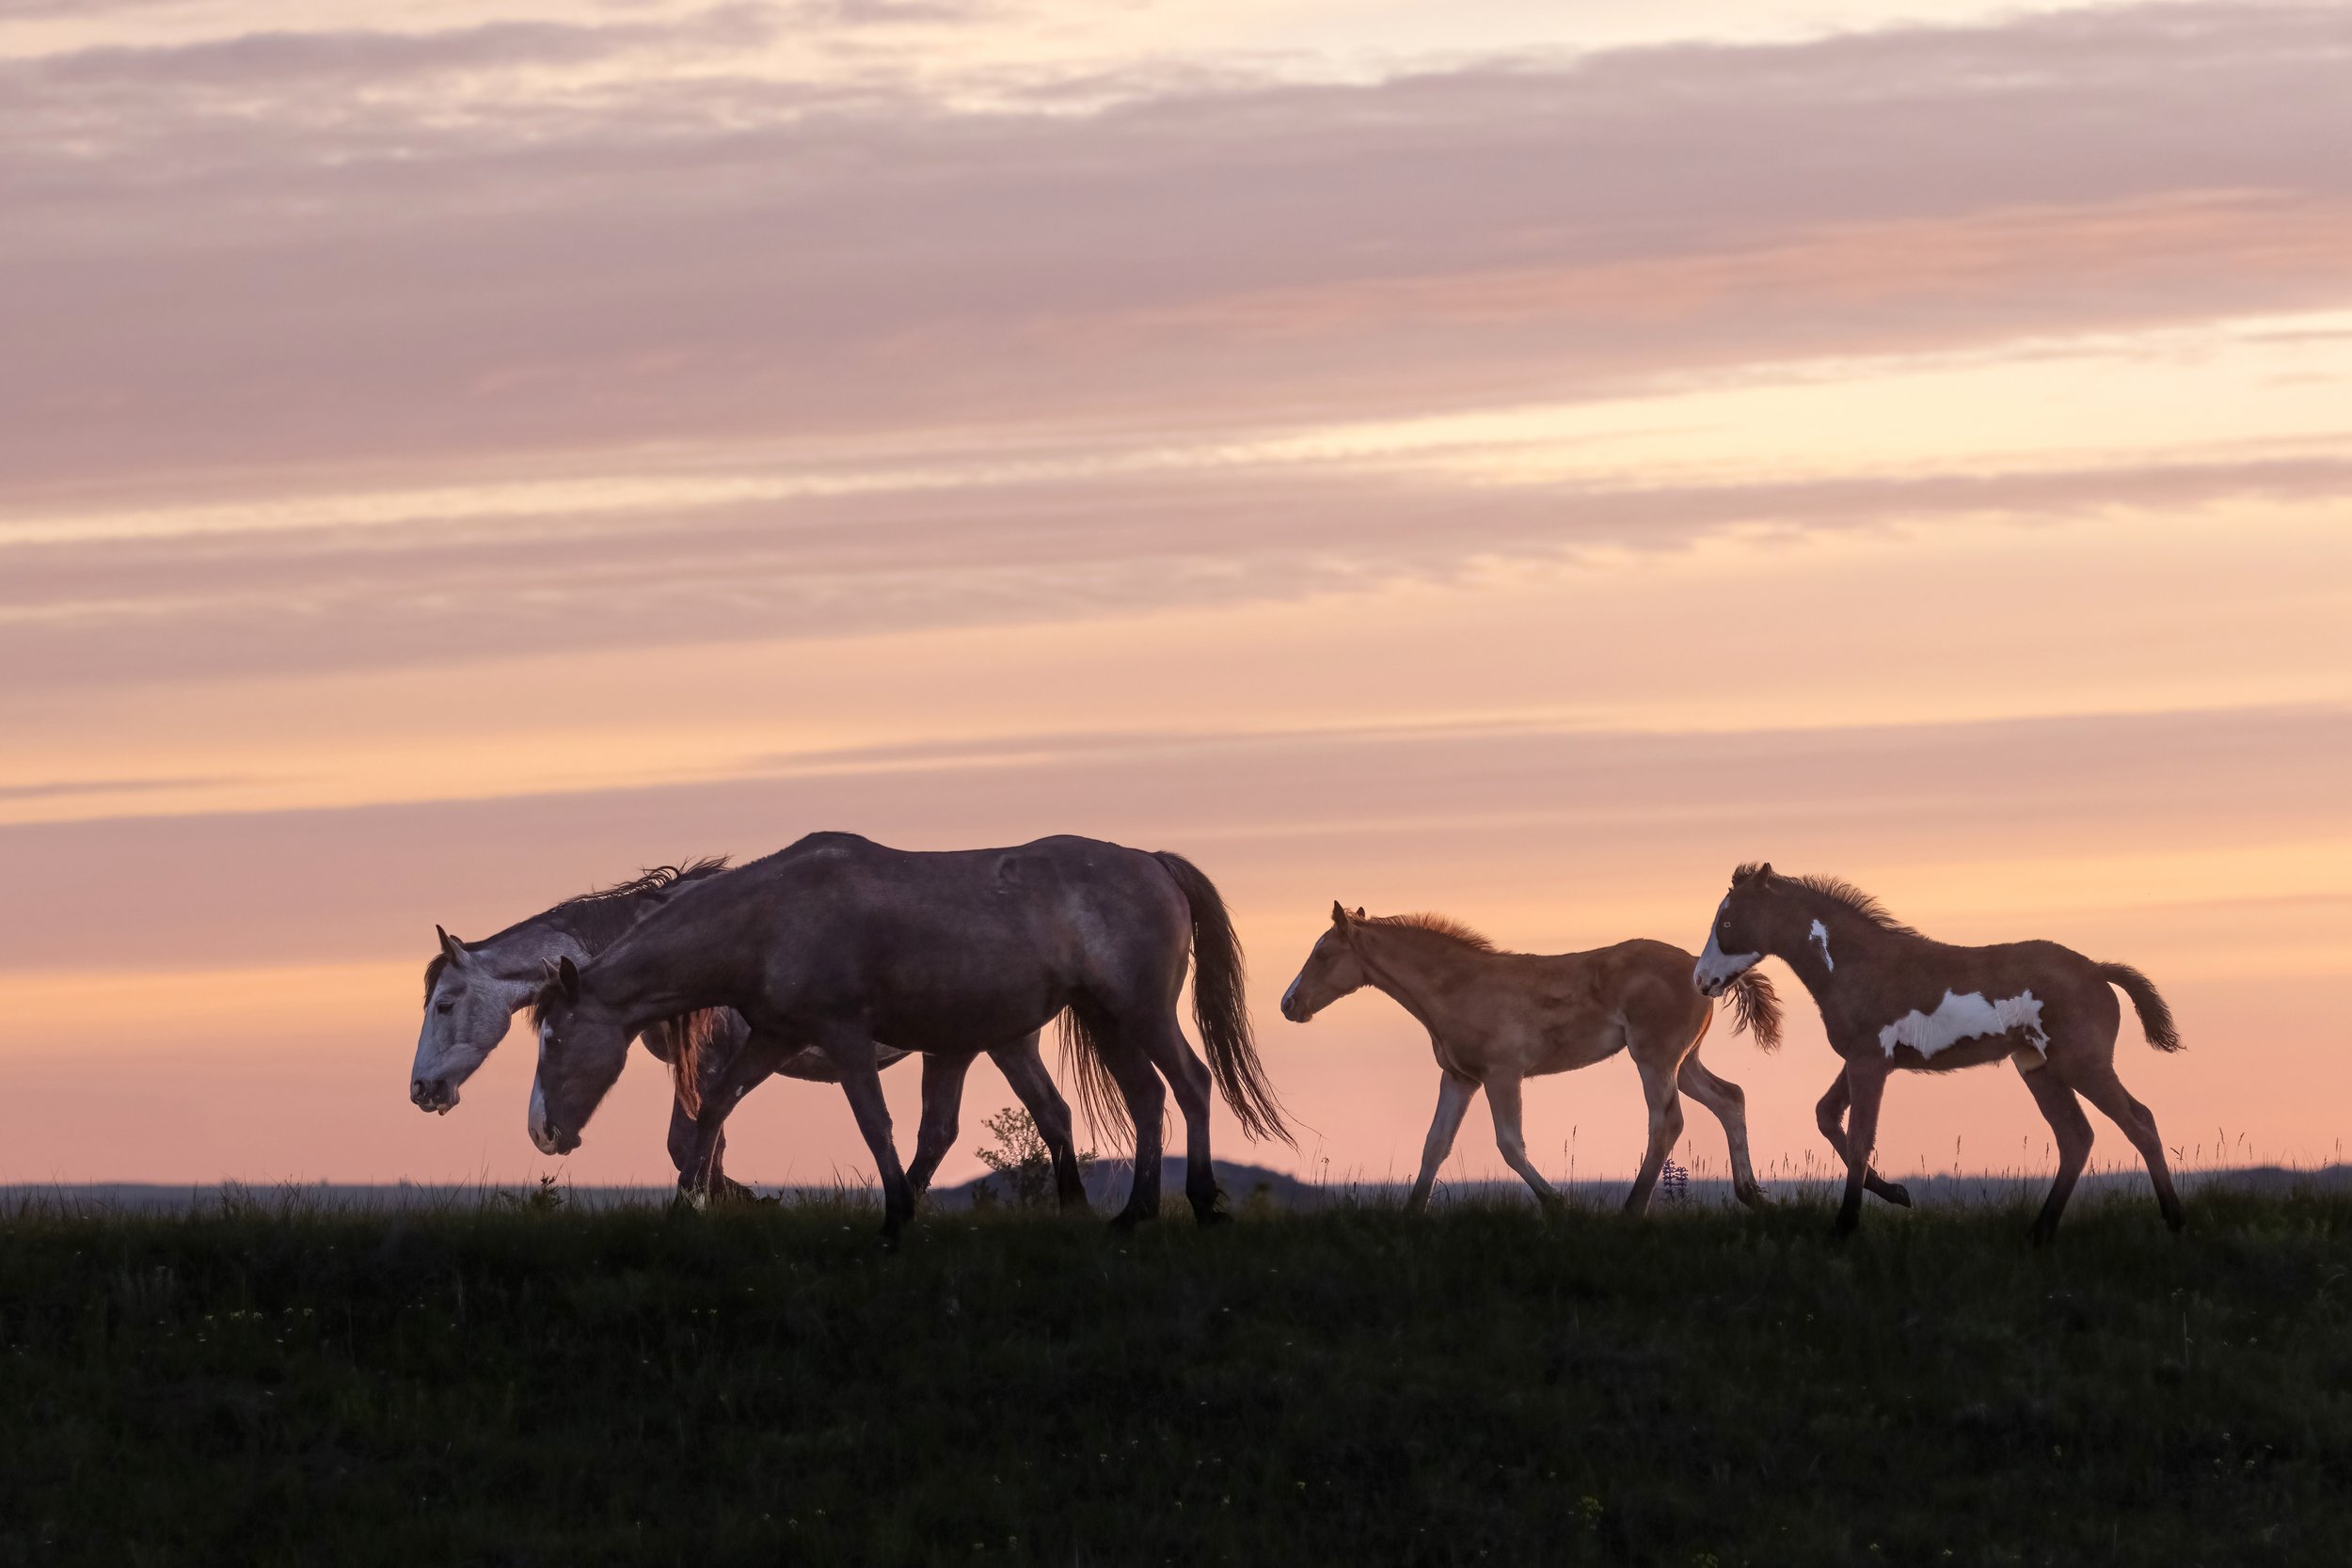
x=1108, y=1179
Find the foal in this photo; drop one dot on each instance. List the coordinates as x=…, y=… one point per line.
x=1893, y=999
x=1497, y=1018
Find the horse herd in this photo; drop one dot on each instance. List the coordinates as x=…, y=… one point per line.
x=833, y=959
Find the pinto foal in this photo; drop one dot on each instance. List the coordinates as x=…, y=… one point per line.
x=1495, y=1019
x=1893, y=999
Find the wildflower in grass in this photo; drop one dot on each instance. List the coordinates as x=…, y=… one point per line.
x=1674, y=1182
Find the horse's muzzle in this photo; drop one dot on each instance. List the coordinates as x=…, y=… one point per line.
x=433, y=1094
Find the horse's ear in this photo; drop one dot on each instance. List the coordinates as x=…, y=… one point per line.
x=567, y=975
x=1339, y=912
x=1764, y=872
x=451, y=949
x=1360, y=911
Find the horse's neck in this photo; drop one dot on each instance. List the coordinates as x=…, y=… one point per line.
x=647, y=976
x=523, y=958
x=1847, y=946
x=1410, y=970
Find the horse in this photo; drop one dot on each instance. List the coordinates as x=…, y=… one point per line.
x=1496, y=1018
x=1893, y=999
x=473, y=990
x=848, y=945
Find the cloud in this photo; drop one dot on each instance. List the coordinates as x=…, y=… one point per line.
x=1612, y=814
x=339, y=277
x=197, y=608
x=323, y=62
x=246, y=273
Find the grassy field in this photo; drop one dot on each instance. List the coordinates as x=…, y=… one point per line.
x=265, y=1383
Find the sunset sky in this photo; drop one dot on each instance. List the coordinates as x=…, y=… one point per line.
x=1518, y=460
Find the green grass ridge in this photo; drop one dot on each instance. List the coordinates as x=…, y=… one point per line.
x=285, y=1382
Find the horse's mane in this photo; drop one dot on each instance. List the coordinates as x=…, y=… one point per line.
x=595, y=917
x=1840, y=892
x=1439, y=925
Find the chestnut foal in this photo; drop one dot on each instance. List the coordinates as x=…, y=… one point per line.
x=1495, y=1019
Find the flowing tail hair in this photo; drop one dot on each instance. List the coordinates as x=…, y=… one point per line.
x=1755, y=1008
x=2155, y=1017
x=1219, y=1007
x=687, y=1039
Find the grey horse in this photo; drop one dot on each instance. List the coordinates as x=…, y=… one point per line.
x=850, y=946
x=473, y=990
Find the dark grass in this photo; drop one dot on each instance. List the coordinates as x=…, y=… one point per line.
x=261, y=1383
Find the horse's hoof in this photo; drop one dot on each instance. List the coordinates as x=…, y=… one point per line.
x=1843, y=1227
x=1127, y=1219
x=1897, y=1194
x=1211, y=1216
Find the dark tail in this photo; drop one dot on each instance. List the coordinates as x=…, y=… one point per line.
x=1080, y=1029
x=2155, y=1018
x=1755, y=1007
x=1222, y=1010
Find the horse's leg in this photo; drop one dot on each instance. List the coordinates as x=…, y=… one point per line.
x=1503, y=1102
x=1830, y=1116
x=698, y=1174
x=2072, y=1129
x=1729, y=1105
x=1453, y=1098
x=1147, y=1104
x=1025, y=1071
x=942, y=1102
x=1865, y=1087
x=1666, y=1129
x=715, y=1068
x=684, y=1129
x=850, y=1051
x=2103, y=1089
x=1187, y=1077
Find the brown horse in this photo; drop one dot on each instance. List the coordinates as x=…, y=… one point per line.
x=1495, y=1019
x=853, y=947
x=1893, y=999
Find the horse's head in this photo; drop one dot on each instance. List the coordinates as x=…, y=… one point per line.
x=1743, y=932
x=467, y=1009
x=1331, y=970
x=583, y=1047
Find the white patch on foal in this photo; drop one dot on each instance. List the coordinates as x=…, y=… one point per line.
x=1966, y=1018
x=1821, y=934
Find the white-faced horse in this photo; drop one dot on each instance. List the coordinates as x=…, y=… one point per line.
x=473, y=990
x=1895, y=1001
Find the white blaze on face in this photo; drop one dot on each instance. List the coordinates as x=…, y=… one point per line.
x=1966, y=1018
x=540, y=1135
x=1821, y=934
x=1716, y=968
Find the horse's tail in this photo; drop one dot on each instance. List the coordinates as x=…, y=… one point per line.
x=1219, y=1007
x=1755, y=1008
x=1098, y=1095
x=2155, y=1017
x=689, y=1038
